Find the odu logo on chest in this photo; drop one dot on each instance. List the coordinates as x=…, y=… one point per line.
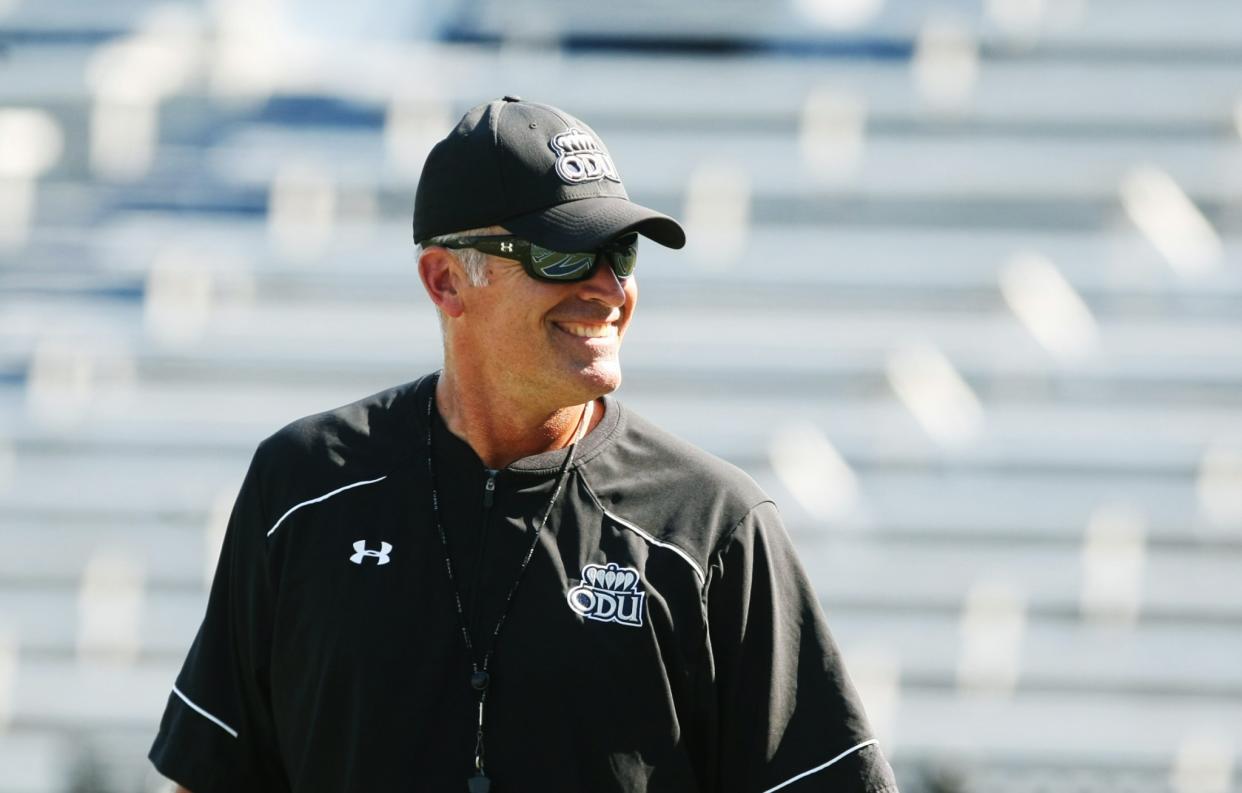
x=608, y=594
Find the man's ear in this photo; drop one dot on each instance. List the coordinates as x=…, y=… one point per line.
x=442, y=278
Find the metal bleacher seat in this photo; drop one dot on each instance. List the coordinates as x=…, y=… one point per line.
x=126, y=423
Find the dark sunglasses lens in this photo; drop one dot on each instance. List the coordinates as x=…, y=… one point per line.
x=624, y=260
x=623, y=253
x=557, y=266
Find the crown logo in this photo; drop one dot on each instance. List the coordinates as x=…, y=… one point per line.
x=608, y=593
x=575, y=140
x=612, y=578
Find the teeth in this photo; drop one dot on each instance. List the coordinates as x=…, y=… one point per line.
x=589, y=331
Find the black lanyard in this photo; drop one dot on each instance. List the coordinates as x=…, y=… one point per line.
x=479, y=676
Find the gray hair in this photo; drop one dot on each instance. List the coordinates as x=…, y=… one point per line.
x=472, y=261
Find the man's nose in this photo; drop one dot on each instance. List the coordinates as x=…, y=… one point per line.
x=604, y=286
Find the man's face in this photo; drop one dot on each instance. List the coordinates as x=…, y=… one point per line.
x=552, y=344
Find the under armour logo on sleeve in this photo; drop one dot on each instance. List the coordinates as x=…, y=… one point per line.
x=361, y=552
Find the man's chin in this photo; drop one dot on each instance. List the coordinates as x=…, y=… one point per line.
x=602, y=377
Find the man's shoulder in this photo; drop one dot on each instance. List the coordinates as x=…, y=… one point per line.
x=367, y=437
x=671, y=488
x=677, y=461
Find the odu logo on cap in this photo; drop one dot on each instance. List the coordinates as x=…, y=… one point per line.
x=608, y=594
x=580, y=158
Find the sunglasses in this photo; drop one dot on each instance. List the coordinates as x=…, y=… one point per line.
x=545, y=264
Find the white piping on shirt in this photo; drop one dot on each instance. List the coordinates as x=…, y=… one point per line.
x=846, y=753
x=204, y=713
x=324, y=497
x=698, y=571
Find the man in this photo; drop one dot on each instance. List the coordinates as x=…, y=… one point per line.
x=496, y=577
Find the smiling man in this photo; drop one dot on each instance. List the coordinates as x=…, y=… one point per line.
x=497, y=578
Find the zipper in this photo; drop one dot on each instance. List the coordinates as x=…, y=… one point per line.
x=489, y=499
x=489, y=490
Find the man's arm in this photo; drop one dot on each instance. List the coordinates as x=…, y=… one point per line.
x=789, y=717
x=217, y=731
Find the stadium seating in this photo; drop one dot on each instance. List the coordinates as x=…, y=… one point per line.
x=1028, y=546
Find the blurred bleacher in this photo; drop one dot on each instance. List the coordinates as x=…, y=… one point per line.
x=963, y=292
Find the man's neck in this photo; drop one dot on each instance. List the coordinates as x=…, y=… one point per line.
x=502, y=430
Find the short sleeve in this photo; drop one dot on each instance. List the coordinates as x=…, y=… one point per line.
x=788, y=716
x=216, y=734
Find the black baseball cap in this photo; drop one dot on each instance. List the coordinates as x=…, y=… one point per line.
x=539, y=172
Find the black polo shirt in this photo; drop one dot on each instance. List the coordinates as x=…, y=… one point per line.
x=663, y=638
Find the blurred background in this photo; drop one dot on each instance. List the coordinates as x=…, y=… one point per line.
x=963, y=292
